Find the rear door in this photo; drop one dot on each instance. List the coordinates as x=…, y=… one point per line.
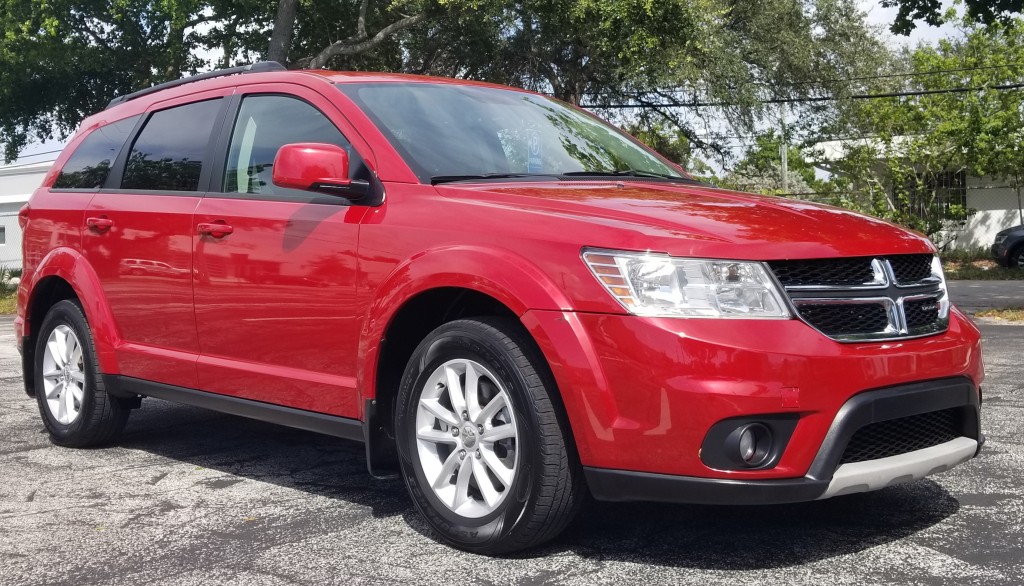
x=139, y=234
x=275, y=268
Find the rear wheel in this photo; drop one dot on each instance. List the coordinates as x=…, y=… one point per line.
x=75, y=408
x=484, y=449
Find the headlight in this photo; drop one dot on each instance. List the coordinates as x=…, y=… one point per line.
x=658, y=285
x=1000, y=237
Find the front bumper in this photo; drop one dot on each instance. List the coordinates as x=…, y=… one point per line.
x=1000, y=253
x=643, y=394
x=826, y=477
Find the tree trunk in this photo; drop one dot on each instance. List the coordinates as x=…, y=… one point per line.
x=281, y=37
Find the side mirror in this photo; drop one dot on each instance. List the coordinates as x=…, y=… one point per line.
x=319, y=167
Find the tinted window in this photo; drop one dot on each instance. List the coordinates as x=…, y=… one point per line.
x=264, y=125
x=89, y=165
x=168, y=155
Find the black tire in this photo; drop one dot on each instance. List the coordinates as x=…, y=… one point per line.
x=1016, y=257
x=547, y=486
x=100, y=418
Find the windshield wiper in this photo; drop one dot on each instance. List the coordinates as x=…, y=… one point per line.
x=626, y=173
x=450, y=178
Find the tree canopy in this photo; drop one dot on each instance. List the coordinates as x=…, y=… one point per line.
x=681, y=63
x=930, y=11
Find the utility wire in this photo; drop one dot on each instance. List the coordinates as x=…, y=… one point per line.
x=696, y=104
x=859, y=78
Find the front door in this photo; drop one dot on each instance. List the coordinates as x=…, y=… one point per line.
x=275, y=268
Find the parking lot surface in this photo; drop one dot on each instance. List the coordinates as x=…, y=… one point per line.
x=193, y=497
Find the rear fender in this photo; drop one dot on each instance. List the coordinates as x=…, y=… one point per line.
x=69, y=265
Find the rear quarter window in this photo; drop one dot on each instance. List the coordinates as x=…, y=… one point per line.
x=89, y=165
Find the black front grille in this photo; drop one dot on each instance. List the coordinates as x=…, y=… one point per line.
x=921, y=313
x=841, y=318
x=911, y=268
x=903, y=435
x=830, y=272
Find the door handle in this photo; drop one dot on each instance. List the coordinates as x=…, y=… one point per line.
x=215, y=229
x=100, y=224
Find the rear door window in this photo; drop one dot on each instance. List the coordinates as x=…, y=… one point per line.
x=89, y=165
x=169, y=153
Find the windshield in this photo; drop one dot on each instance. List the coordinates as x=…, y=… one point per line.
x=447, y=131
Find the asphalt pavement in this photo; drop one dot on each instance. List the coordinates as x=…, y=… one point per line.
x=188, y=497
x=975, y=295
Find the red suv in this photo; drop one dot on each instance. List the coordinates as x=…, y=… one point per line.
x=509, y=301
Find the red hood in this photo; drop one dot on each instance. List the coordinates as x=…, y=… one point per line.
x=693, y=220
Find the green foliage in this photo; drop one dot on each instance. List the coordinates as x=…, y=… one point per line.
x=914, y=141
x=930, y=11
x=61, y=60
x=64, y=59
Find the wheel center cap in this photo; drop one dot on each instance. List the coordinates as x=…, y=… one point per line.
x=469, y=436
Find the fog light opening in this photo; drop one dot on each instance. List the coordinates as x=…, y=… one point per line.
x=754, y=445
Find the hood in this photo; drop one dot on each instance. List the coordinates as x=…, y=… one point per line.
x=692, y=220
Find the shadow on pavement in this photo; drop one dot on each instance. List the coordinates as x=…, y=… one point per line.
x=686, y=536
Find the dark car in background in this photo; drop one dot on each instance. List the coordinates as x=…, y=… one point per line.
x=1008, y=247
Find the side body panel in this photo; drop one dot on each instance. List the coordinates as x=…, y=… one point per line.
x=144, y=263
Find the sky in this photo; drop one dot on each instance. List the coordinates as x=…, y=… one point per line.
x=922, y=33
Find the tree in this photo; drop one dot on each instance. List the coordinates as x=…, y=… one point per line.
x=64, y=59
x=930, y=11
x=659, y=56
x=917, y=143
x=760, y=169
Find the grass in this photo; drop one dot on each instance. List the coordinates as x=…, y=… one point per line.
x=977, y=264
x=7, y=303
x=1006, y=314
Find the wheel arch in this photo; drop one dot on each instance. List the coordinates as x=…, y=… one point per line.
x=421, y=295
x=65, y=274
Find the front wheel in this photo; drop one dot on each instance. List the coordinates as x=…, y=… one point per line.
x=75, y=408
x=484, y=448
x=1016, y=257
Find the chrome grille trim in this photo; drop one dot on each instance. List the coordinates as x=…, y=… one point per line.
x=884, y=291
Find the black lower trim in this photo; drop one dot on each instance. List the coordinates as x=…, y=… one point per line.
x=342, y=427
x=894, y=403
x=28, y=365
x=623, y=485
x=860, y=410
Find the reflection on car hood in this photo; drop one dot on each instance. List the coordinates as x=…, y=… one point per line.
x=673, y=216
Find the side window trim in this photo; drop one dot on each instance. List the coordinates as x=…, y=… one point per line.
x=219, y=160
x=117, y=171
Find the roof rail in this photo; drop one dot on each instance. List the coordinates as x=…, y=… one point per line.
x=251, y=68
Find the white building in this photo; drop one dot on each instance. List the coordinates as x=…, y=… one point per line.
x=17, y=182
x=995, y=204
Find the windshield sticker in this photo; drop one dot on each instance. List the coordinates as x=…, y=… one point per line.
x=534, y=164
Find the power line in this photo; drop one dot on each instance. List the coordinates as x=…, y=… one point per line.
x=859, y=78
x=696, y=104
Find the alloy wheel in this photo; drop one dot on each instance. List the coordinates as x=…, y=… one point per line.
x=63, y=374
x=466, y=438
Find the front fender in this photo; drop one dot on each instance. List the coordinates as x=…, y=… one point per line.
x=69, y=265
x=502, y=274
